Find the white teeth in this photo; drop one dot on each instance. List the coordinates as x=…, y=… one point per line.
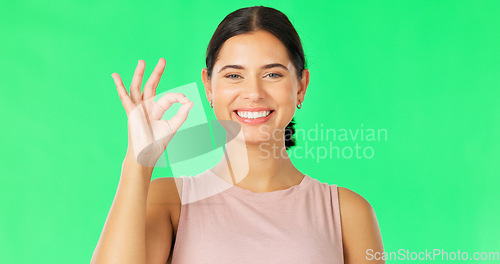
x=253, y=115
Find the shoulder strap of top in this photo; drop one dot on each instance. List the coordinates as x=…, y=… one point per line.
x=181, y=187
x=201, y=186
x=336, y=218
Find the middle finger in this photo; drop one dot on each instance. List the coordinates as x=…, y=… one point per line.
x=154, y=79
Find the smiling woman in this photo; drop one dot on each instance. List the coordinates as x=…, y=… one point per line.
x=250, y=207
x=254, y=74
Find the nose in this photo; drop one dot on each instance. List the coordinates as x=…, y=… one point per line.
x=253, y=90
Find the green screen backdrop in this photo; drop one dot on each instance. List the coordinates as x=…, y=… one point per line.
x=419, y=79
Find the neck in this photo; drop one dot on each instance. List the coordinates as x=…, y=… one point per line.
x=259, y=167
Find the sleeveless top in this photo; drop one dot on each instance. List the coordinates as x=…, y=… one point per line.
x=223, y=223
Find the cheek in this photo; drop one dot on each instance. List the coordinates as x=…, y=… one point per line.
x=223, y=97
x=285, y=99
x=285, y=95
x=287, y=115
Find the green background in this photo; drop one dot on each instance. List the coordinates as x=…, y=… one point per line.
x=426, y=71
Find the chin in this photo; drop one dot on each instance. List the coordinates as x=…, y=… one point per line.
x=255, y=136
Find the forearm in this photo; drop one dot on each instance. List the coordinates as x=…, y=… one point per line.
x=123, y=237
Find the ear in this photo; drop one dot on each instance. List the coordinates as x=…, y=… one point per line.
x=207, y=84
x=304, y=82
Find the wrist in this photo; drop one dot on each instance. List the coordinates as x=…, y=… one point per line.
x=130, y=163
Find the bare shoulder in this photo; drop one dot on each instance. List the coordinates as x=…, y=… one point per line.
x=353, y=204
x=360, y=229
x=164, y=191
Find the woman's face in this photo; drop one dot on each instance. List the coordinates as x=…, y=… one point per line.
x=255, y=83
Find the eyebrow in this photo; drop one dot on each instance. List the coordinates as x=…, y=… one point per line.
x=267, y=66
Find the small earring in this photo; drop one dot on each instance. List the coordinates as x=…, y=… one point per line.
x=211, y=105
x=299, y=105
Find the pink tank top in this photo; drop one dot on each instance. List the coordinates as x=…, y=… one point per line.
x=222, y=223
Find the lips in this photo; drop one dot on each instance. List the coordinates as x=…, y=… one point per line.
x=253, y=109
x=253, y=115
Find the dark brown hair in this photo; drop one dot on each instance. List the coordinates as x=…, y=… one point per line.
x=256, y=18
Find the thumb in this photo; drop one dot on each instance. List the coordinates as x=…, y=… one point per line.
x=181, y=116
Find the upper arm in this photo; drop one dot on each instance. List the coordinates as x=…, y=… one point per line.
x=360, y=229
x=162, y=196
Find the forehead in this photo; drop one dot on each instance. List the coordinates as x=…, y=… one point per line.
x=257, y=48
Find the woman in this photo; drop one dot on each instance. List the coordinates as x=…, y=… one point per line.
x=254, y=206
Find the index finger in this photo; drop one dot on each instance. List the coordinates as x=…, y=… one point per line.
x=166, y=101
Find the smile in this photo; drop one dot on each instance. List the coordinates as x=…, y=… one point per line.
x=253, y=115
